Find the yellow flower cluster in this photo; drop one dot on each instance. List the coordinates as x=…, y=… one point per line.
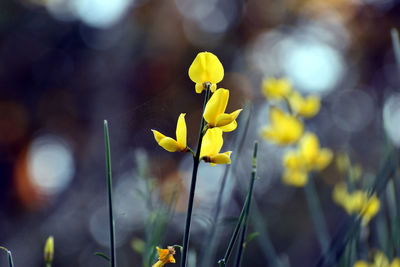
x=165, y=256
x=356, y=202
x=380, y=260
x=206, y=70
x=287, y=128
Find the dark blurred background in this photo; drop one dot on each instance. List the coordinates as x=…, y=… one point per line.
x=66, y=65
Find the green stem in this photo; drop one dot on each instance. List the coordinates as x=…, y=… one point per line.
x=316, y=214
x=9, y=254
x=109, y=193
x=245, y=220
x=243, y=213
x=196, y=162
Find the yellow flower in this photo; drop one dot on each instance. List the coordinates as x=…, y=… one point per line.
x=306, y=107
x=356, y=202
x=295, y=177
x=314, y=157
x=206, y=67
x=380, y=260
x=212, y=144
x=284, y=129
x=370, y=208
x=49, y=250
x=275, y=88
x=170, y=144
x=214, y=112
x=165, y=256
x=361, y=264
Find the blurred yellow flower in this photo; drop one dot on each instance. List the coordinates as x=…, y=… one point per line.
x=275, y=89
x=306, y=107
x=380, y=260
x=284, y=129
x=206, y=68
x=294, y=177
x=165, y=256
x=314, y=157
x=361, y=264
x=214, y=112
x=212, y=144
x=170, y=144
x=356, y=202
x=49, y=250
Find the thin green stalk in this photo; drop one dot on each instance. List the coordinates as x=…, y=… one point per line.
x=245, y=220
x=196, y=162
x=9, y=254
x=396, y=46
x=234, y=235
x=109, y=193
x=316, y=214
x=222, y=262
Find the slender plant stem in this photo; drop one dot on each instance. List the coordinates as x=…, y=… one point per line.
x=196, y=162
x=109, y=193
x=243, y=214
x=9, y=254
x=246, y=215
x=316, y=214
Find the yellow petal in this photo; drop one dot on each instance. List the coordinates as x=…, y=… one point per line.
x=292, y=160
x=212, y=142
x=340, y=193
x=295, y=178
x=181, y=131
x=370, y=209
x=213, y=87
x=275, y=88
x=158, y=136
x=309, y=147
x=171, y=259
x=310, y=107
x=216, y=105
x=206, y=67
x=324, y=158
x=381, y=260
x=227, y=122
x=229, y=127
x=221, y=158
x=199, y=87
x=361, y=264
x=396, y=262
x=284, y=129
x=170, y=144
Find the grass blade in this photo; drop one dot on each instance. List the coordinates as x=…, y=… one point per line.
x=109, y=194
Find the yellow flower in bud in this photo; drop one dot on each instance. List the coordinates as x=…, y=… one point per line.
x=306, y=107
x=284, y=129
x=314, y=157
x=295, y=177
x=165, y=256
x=170, y=144
x=214, y=112
x=206, y=68
x=212, y=144
x=275, y=89
x=49, y=250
